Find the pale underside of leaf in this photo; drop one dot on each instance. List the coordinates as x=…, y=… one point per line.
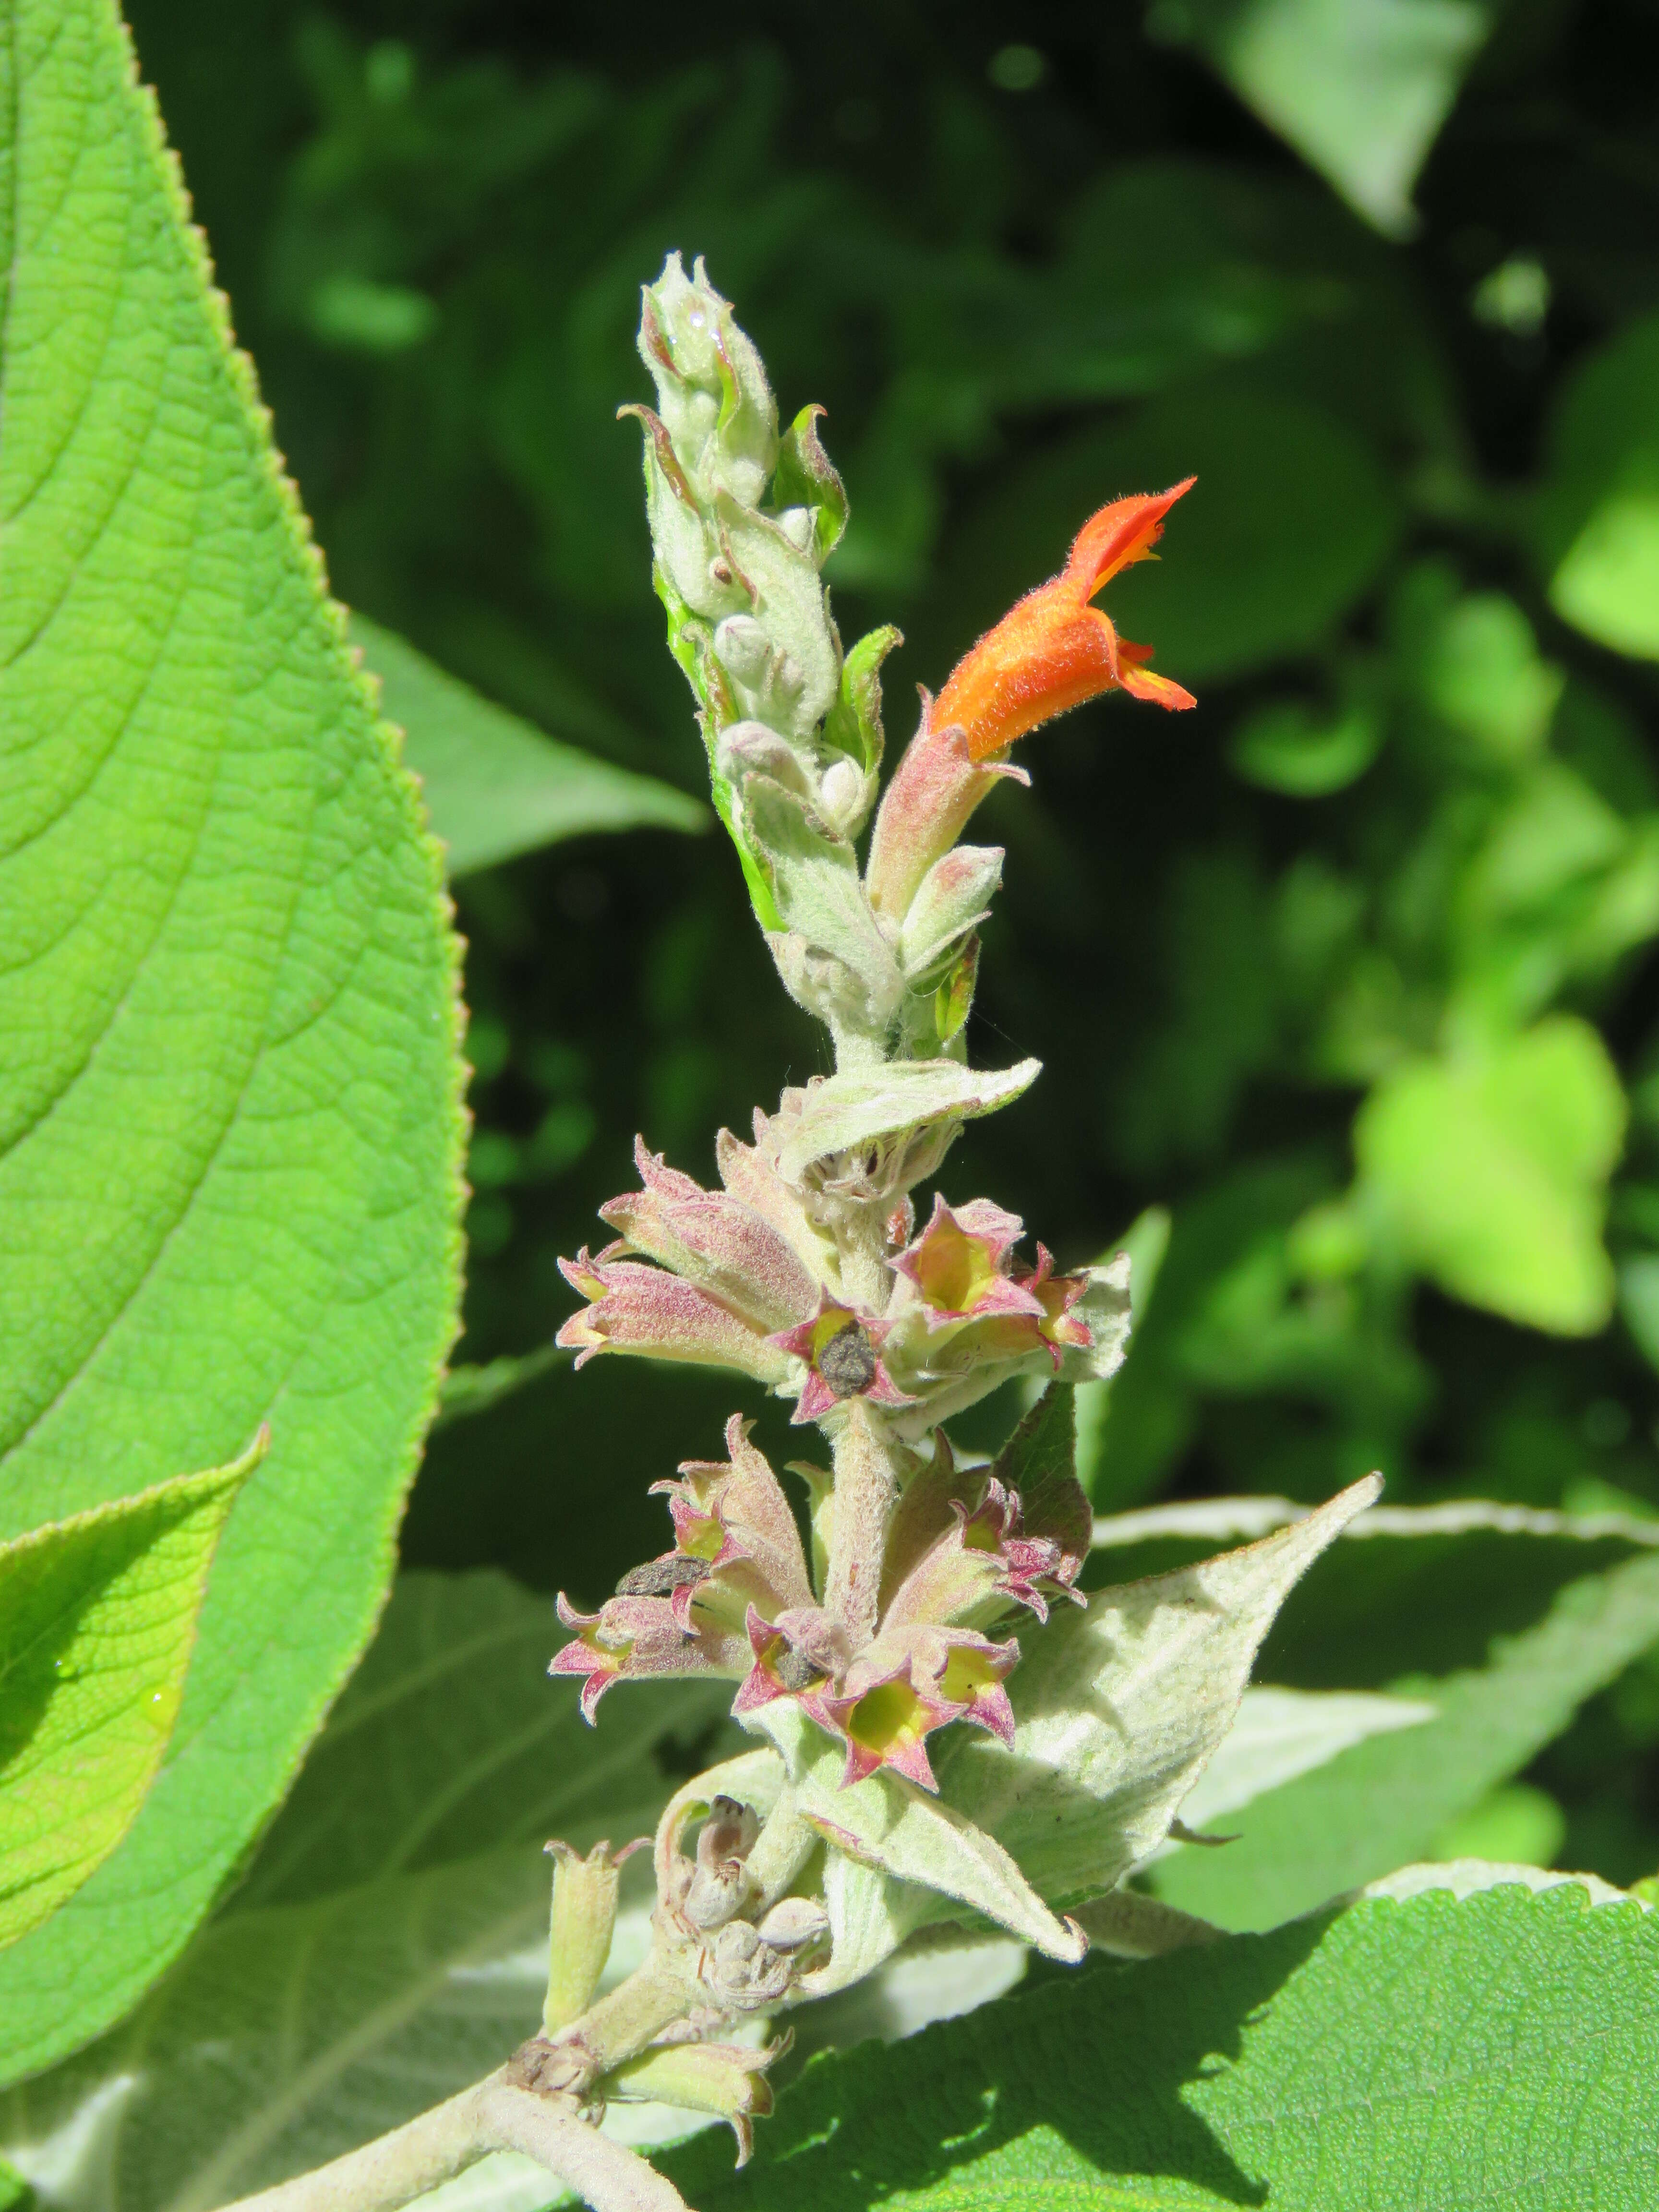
x=1212, y=1519
x=899, y=1831
x=1382, y=1803
x=470, y=1746
x=853, y=1109
x=1119, y=1709
x=1280, y=1734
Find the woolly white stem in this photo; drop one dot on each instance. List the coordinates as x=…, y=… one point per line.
x=491, y=2116
x=866, y=1491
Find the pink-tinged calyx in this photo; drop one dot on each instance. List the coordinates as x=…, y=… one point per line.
x=800, y=1655
x=1033, y=1567
x=646, y=1310
x=714, y=1240
x=907, y=1683
x=981, y=1563
x=732, y=1518
x=961, y=1265
x=632, y=1638
x=1042, y=1322
x=1061, y=1328
x=840, y=1347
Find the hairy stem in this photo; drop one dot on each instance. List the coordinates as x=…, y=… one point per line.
x=862, y=1252
x=633, y=2015
x=491, y=2116
x=866, y=1491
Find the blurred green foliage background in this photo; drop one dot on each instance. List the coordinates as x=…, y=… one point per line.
x=1353, y=971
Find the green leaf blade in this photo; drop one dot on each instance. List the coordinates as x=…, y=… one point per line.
x=97, y=1623
x=1492, y=1171
x=1359, y=88
x=1598, y=515
x=390, y=1943
x=1400, y=2054
x=495, y=786
x=229, y=1188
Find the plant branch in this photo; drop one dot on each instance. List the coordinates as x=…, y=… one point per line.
x=491, y=2116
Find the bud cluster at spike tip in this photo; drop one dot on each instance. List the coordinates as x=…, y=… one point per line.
x=734, y=1597
x=743, y=516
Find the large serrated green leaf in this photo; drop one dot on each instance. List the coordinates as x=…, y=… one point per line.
x=1437, y=2054
x=229, y=1127
x=97, y=1622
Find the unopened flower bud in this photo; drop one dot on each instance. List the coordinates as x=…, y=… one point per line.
x=712, y=387
x=584, y=1918
x=746, y=748
x=793, y=1923
x=956, y=894
x=843, y=796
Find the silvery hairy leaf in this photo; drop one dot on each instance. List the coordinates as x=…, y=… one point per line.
x=864, y=1106
x=1119, y=1709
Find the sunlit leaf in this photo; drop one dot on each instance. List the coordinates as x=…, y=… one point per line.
x=1359, y=88
x=97, y=1622
x=228, y=1100
x=1491, y=1172
x=1431, y=2051
x=1599, y=515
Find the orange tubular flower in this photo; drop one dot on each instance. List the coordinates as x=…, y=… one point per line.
x=1051, y=651
x=1055, y=649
